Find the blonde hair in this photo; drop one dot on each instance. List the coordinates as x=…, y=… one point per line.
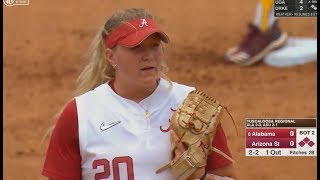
x=98, y=70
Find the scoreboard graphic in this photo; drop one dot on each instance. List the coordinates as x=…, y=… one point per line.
x=281, y=137
x=295, y=8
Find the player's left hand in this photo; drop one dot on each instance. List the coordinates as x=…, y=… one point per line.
x=180, y=149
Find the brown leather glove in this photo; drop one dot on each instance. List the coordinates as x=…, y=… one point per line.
x=195, y=123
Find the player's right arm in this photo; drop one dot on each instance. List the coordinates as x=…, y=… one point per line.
x=63, y=160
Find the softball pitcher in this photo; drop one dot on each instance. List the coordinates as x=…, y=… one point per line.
x=117, y=125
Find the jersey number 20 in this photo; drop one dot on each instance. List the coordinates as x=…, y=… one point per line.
x=115, y=167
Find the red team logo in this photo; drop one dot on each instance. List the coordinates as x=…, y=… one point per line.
x=168, y=129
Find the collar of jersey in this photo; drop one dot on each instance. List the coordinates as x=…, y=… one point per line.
x=150, y=103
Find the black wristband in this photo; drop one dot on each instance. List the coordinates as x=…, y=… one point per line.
x=204, y=176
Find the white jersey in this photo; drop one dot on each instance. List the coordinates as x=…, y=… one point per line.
x=118, y=140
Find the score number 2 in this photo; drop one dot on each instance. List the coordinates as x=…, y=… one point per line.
x=115, y=167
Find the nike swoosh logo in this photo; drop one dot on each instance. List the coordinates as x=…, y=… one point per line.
x=104, y=127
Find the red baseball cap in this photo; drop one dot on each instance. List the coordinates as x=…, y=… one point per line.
x=132, y=33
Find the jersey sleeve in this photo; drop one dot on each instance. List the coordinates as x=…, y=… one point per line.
x=63, y=160
x=215, y=160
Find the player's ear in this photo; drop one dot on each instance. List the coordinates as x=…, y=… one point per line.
x=110, y=56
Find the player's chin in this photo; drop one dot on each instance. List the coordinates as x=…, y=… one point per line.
x=149, y=79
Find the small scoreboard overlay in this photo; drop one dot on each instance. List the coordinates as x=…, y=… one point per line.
x=295, y=8
x=281, y=137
